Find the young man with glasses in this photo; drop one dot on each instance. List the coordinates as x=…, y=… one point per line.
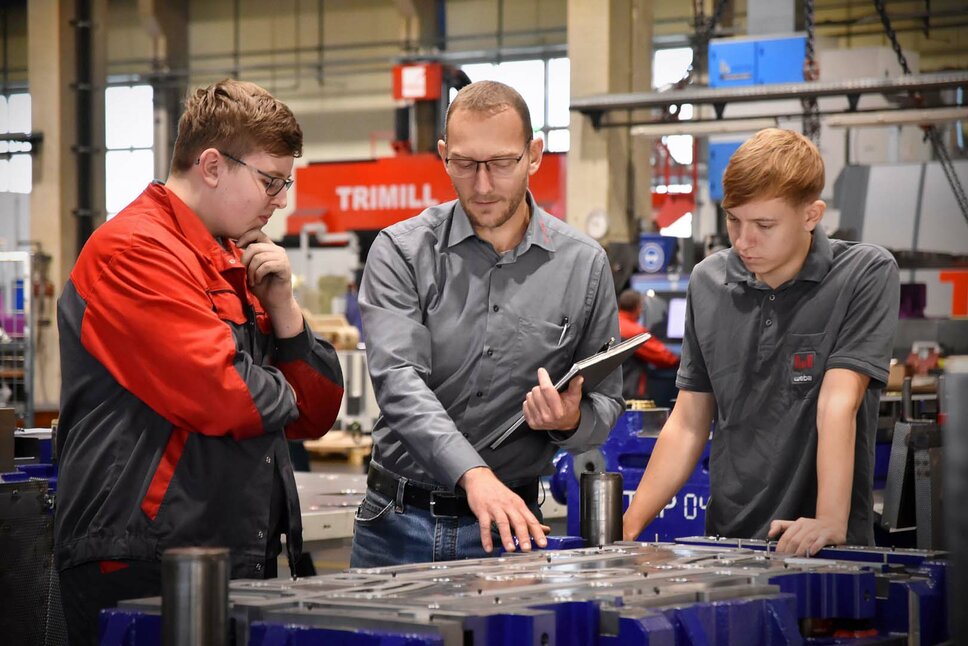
x=186, y=364
x=470, y=310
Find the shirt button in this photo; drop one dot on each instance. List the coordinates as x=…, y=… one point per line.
x=466, y=434
x=262, y=534
x=495, y=308
x=231, y=261
x=268, y=460
x=490, y=352
x=769, y=322
x=258, y=567
x=480, y=393
x=772, y=297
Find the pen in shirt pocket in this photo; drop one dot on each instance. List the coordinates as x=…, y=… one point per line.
x=564, y=330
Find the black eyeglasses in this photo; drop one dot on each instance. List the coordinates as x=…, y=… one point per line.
x=497, y=167
x=274, y=184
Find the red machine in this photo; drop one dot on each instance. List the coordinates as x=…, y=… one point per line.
x=368, y=195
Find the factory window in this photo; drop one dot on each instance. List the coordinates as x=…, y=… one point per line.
x=129, y=161
x=15, y=166
x=545, y=87
x=669, y=66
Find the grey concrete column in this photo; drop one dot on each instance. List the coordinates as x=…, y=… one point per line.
x=610, y=48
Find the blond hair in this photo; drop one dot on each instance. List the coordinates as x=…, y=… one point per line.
x=490, y=98
x=774, y=163
x=236, y=117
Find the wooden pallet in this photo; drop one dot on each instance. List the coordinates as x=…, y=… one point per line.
x=353, y=446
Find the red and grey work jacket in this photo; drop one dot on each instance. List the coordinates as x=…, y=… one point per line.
x=176, y=399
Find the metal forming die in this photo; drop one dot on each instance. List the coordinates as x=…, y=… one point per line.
x=702, y=590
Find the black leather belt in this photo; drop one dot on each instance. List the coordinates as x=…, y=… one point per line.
x=438, y=502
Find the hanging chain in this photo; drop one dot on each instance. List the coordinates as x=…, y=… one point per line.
x=889, y=30
x=811, y=72
x=716, y=17
x=930, y=131
x=704, y=32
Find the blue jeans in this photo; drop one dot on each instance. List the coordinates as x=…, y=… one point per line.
x=386, y=534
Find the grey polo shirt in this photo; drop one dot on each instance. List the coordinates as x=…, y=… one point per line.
x=455, y=334
x=763, y=354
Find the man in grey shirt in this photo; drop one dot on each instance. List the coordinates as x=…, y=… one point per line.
x=471, y=310
x=788, y=341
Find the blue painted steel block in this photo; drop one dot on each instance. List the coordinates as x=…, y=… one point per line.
x=780, y=60
x=524, y=628
x=882, y=458
x=740, y=621
x=771, y=621
x=652, y=629
x=576, y=622
x=564, y=542
x=927, y=597
x=831, y=595
x=694, y=625
x=760, y=61
x=626, y=453
x=127, y=628
x=732, y=63
x=554, y=543
x=719, y=154
x=263, y=634
x=783, y=626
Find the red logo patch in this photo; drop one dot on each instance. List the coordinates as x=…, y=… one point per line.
x=803, y=361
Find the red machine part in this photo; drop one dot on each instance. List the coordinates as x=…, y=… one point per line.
x=366, y=195
x=417, y=81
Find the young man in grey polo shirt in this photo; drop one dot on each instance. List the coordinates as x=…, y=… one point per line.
x=467, y=308
x=788, y=341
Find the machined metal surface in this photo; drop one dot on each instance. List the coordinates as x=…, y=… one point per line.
x=601, y=508
x=194, y=596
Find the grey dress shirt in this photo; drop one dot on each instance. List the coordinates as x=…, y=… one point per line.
x=456, y=332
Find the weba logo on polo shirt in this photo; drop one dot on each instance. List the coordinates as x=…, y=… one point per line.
x=803, y=362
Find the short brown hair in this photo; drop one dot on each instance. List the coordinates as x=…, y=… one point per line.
x=629, y=300
x=774, y=163
x=237, y=117
x=490, y=98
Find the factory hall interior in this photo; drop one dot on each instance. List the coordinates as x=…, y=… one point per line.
x=483, y=322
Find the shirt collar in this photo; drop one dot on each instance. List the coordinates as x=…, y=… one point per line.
x=818, y=262
x=194, y=230
x=537, y=233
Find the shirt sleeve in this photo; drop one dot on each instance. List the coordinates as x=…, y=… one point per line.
x=398, y=352
x=692, y=374
x=601, y=406
x=865, y=340
x=160, y=333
